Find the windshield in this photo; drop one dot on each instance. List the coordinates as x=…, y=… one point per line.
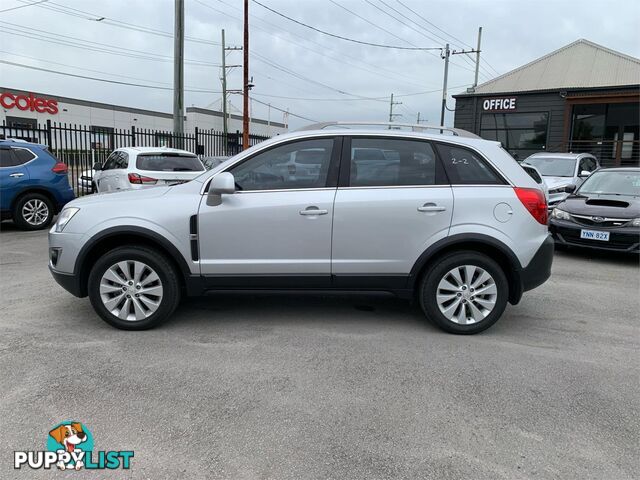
x=553, y=166
x=612, y=183
x=168, y=162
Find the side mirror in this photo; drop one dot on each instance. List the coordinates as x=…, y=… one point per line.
x=570, y=188
x=97, y=166
x=221, y=183
x=584, y=173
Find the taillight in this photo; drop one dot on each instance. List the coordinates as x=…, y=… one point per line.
x=60, y=167
x=140, y=180
x=534, y=201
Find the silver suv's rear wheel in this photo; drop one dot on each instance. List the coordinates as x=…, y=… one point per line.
x=134, y=288
x=465, y=292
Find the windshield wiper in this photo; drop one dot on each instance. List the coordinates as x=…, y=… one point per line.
x=181, y=169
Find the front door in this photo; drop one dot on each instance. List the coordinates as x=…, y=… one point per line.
x=13, y=176
x=392, y=203
x=278, y=222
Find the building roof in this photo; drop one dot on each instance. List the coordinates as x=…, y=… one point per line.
x=581, y=64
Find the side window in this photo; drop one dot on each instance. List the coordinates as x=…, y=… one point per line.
x=110, y=162
x=22, y=155
x=303, y=164
x=122, y=160
x=6, y=158
x=464, y=167
x=392, y=162
x=588, y=164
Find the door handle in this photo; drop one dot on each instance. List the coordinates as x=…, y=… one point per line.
x=313, y=211
x=431, y=207
x=16, y=175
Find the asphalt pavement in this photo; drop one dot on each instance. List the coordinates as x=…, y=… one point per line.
x=329, y=387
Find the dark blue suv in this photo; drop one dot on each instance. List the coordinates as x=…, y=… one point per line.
x=33, y=184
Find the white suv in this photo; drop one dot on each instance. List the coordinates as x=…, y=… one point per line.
x=451, y=221
x=139, y=167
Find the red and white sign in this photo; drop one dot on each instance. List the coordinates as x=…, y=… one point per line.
x=30, y=102
x=499, y=104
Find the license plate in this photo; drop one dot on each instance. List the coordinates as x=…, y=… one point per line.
x=594, y=235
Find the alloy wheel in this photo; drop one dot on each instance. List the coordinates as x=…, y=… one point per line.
x=131, y=290
x=35, y=212
x=466, y=294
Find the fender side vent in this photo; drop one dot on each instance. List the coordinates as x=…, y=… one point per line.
x=193, y=237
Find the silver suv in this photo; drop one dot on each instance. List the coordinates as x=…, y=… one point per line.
x=451, y=221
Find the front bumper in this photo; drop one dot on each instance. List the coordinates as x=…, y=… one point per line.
x=621, y=239
x=69, y=281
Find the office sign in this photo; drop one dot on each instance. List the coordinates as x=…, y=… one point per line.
x=499, y=104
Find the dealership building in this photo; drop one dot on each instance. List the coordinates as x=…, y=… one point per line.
x=581, y=98
x=20, y=109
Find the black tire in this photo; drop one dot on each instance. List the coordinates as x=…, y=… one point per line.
x=156, y=261
x=432, y=277
x=19, y=211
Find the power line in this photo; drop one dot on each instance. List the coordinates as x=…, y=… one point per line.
x=361, y=42
x=23, y=6
x=82, y=68
x=74, y=12
x=462, y=44
x=117, y=82
x=371, y=23
x=384, y=98
x=378, y=70
x=60, y=39
x=284, y=111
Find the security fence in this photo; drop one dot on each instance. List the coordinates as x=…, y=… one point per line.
x=80, y=146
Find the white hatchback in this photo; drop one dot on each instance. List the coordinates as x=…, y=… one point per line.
x=138, y=167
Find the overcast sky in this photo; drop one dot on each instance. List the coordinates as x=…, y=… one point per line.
x=293, y=67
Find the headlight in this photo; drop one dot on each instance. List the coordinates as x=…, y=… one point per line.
x=635, y=222
x=560, y=214
x=557, y=190
x=64, y=217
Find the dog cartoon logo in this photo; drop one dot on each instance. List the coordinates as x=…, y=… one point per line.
x=71, y=436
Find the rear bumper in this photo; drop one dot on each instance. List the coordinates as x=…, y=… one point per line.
x=622, y=239
x=539, y=269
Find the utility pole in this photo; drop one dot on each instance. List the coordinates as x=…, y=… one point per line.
x=245, y=79
x=445, y=55
x=391, y=114
x=475, y=83
x=178, y=72
x=444, y=85
x=225, y=127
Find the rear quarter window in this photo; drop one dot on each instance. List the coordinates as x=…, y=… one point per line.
x=168, y=162
x=465, y=167
x=23, y=155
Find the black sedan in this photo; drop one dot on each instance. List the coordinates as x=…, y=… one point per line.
x=603, y=213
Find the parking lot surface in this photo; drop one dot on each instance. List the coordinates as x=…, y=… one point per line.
x=311, y=386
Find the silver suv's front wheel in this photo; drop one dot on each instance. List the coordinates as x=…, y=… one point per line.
x=465, y=292
x=134, y=288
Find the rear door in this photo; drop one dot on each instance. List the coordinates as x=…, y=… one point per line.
x=13, y=174
x=393, y=201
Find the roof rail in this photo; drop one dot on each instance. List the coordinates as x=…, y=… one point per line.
x=414, y=127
